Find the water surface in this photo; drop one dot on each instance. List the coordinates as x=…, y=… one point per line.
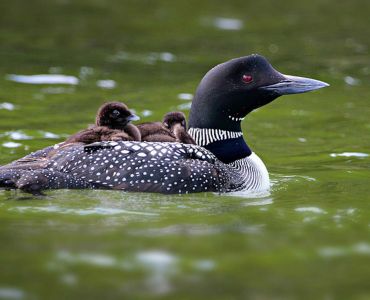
x=308, y=239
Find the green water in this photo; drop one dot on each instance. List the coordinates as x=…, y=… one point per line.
x=308, y=239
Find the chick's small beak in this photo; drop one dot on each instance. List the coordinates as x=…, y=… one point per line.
x=133, y=117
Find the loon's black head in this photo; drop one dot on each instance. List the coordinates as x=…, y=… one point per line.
x=172, y=118
x=231, y=90
x=114, y=115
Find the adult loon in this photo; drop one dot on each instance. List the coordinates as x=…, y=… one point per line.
x=221, y=162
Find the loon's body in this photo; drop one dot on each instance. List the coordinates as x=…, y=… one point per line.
x=220, y=162
x=143, y=167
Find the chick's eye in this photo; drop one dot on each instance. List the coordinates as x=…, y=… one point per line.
x=247, y=78
x=115, y=113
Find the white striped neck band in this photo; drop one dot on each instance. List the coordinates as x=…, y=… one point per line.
x=205, y=136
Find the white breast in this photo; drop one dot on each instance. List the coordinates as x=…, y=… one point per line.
x=250, y=174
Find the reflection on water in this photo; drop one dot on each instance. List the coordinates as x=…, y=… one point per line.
x=349, y=154
x=160, y=265
x=185, y=96
x=198, y=230
x=146, y=113
x=106, y=84
x=44, y=79
x=58, y=90
x=11, y=145
x=17, y=135
x=228, y=23
x=253, y=195
x=315, y=210
x=351, y=80
x=81, y=212
x=99, y=260
x=7, y=106
x=261, y=202
x=356, y=249
x=149, y=58
x=20, y=135
x=11, y=293
x=184, y=106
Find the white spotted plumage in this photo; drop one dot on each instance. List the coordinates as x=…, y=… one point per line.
x=132, y=166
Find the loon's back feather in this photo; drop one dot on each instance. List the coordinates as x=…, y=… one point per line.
x=131, y=166
x=147, y=167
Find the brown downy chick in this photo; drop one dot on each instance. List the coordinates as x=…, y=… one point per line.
x=172, y=129
x=155, y=132
x=112, y=124
x=176, y=122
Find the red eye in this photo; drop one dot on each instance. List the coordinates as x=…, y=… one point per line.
x=247, y=78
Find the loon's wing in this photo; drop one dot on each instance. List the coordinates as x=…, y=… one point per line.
x=30, y=160
x=10, y=173
x=25, y=167
x=37, y=159
x=136, y=166
x=144, y=167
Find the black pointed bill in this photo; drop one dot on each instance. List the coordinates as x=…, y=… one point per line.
x=294, y=85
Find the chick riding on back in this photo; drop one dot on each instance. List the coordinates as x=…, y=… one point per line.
x=112, y=124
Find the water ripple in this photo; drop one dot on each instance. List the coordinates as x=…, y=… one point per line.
x=159, y=265
x=197, y=230
x=7, y=106
x=11, y=145
x=311, y=209
x=361, y=248
x=43, y=79
x=99, y=260
x=279, y=181
x=185, y=96
x=17, y=135
x=81, y=212
x=228, y=23
x=350, y=154
x=106, y=84
x=149, y=58
x=10, y=293
x=184, y=106
x=57, y=90
x=351, y=80
x=146, y=113
x=261, y=202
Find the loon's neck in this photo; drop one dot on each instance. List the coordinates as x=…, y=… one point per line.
x=227, y=146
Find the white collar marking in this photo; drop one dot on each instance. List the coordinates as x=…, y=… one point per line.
x=205, y=136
